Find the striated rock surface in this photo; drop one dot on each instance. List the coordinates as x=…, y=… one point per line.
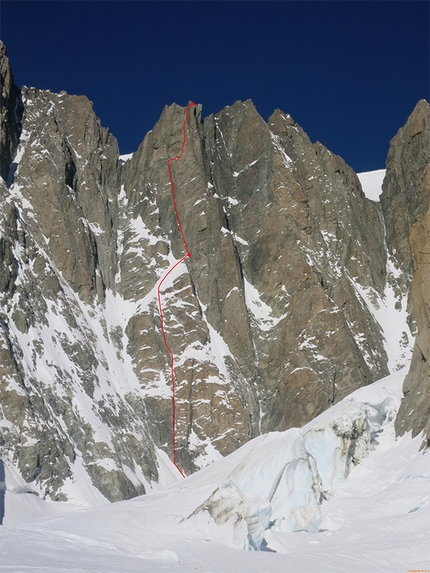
x=414, y=412
x=66, y=400
x=279, y=312
x=405, y=190
x=411, y=193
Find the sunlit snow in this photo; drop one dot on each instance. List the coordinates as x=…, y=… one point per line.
x=260, y=311
x=126, y=157
x=371, y=182
x=305, y=501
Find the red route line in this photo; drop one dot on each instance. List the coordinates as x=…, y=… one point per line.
x=160, y=305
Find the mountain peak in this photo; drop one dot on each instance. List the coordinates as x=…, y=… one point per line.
x=280, y=312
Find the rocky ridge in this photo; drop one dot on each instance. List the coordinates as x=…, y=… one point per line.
x=274, y=317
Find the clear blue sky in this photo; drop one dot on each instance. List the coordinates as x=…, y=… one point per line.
x=349, y=72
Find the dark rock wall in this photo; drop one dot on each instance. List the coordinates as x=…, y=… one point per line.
x=10, y=115
x=58, y=257
x=407, y=191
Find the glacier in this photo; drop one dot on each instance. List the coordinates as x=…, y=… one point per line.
x=340, y=494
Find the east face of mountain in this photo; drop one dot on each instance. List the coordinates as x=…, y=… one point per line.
x=272, y=319
x=406, y=190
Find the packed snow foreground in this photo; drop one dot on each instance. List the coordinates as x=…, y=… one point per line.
x=341, y=494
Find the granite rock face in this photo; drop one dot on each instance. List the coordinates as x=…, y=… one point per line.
x=65, y=404
x=405, y=196
x=409, y=192
x=277, y=314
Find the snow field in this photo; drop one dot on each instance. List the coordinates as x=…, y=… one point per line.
x=373, y=515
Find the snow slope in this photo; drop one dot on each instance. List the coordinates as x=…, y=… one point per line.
x=371, y=182
x=339, y=495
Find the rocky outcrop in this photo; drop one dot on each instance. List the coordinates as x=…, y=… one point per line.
x=405, y=190
x=297, y=213
x=414, y=412
x=411, y=194
x=10, y=114
x=271, y=320
x=58, y=256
